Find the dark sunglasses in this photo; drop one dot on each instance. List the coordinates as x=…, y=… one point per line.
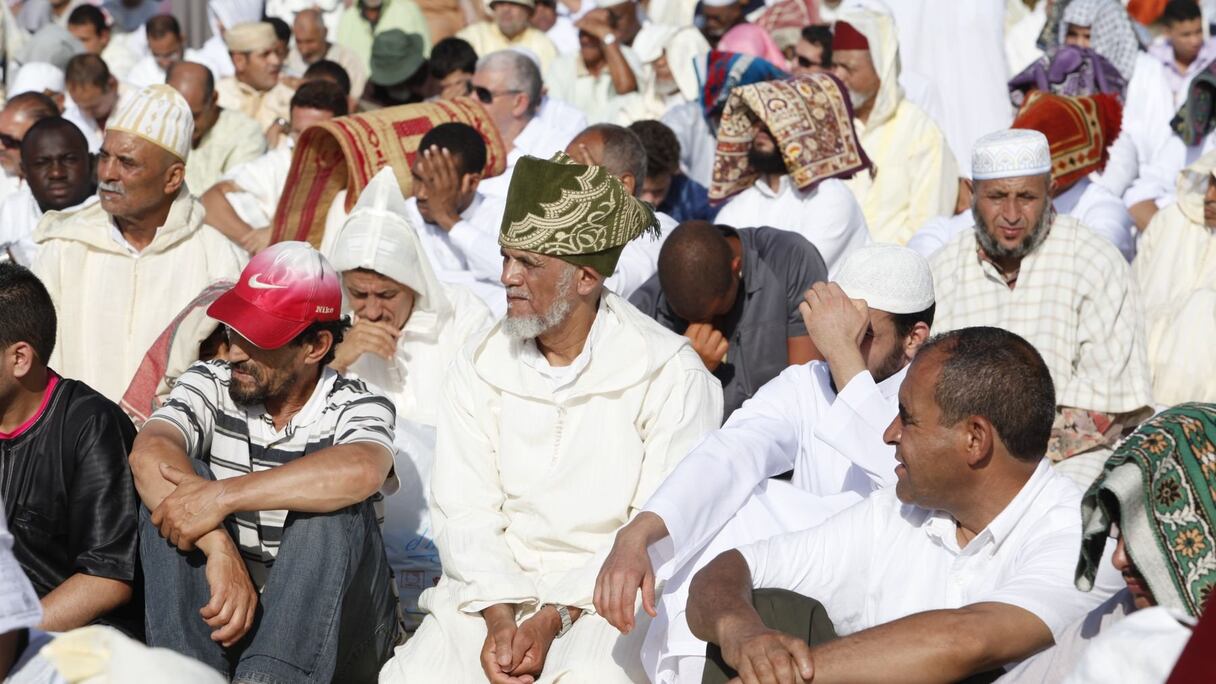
x=808, y=64
x=9, y=141
x=487, y=96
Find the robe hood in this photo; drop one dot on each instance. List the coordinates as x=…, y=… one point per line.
x=873, y=19
x=1193, y=184
x=185, y=219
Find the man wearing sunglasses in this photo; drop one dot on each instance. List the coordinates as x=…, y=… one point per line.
x=18, y=116
x=813, y=51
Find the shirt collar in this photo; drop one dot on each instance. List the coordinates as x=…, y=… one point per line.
x=313, y=408
x=532, y=357
x=944, y=528
x=532, y=134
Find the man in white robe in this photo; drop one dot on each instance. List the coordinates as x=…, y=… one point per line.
x=1176, y=272
x=408, y=328
x=823, y=420
x=512, y=83
x=915, y=174
x=610, y=401
x=456, y=223
x=121, y=269
x=785, y=172
x=1056, y=283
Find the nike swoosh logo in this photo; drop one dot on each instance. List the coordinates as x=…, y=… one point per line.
x=259, y=285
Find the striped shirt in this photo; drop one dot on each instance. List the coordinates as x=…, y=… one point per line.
x=1074, y=300
x=237, y=440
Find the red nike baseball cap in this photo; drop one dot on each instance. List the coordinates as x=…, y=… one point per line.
x=284, y=289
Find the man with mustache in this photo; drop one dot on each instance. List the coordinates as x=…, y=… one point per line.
x=552, y=431
x=59, y=176
x=1052, y=280
x=915, y=174
x=255, y=89
x=121, y=269
x=260, y=479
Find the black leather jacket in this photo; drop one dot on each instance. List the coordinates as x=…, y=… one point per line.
x=69, y=496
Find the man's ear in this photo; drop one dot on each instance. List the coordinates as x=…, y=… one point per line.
x=980, y=440
x=22, y=359
x=588, y=280
x=175, y=176
x=918, y=336
x=319, y=347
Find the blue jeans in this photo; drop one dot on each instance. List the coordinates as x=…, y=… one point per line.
x=327, y=612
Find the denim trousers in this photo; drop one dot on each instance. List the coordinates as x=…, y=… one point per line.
x=326, y=613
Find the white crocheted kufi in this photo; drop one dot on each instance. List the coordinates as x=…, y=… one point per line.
x=1009, y=154
x=889, y=277
x=160, y=115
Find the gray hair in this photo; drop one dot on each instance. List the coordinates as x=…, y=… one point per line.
x=623, y=152
x=522, y=74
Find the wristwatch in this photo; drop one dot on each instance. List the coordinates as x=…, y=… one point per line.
x=563, y=613
x=608, y=39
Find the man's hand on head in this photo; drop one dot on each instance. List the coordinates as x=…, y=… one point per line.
x=445, y=185
x=709, y=343
x=194, y=509
x=837, y=326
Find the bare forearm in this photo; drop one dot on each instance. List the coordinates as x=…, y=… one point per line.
x=1142, y=213
x=935, y=646
x=321, y=482
x=721, y=595
x=222, y=216
x=845, y=364
x=623, y=79
x=152, y=447
x=80, y=600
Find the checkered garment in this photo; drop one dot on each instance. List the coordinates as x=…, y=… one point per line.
x=1075, y=300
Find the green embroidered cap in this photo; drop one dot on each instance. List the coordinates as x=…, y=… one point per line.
x=581, y=214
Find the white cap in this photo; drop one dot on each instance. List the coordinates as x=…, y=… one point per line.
x=160, y=115
x=609, y=3
x=719, y=3
x=37, y=77
x=1009, y=154
x=377, y=236
x=889, y=277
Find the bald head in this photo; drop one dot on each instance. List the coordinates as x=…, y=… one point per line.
x=197, y=85
x=616, y=148
x=698, y=271
x=18, y=115
x=312, y=40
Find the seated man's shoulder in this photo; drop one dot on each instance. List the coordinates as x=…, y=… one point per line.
x=81, y=399
x=1092, y=252
x=785, y=246
x=57, y=225
x=235, y=124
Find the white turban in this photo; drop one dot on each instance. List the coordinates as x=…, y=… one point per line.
x=233, y=12
x=1009, y=154
x=376, y=236
x=889, y=277
x=160, y=115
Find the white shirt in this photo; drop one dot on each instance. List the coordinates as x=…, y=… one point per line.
x=554, y=126
x=720, y=497
x=564, y=35
x=828, y=215
x=569, y=79
x=261, y=181
x=467, y=255
x=1139, y=649
x=882, y=560
x=94, y=132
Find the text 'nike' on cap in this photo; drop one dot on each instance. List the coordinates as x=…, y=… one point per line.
x=284, y=289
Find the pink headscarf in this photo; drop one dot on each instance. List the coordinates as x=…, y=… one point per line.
x=749, y=39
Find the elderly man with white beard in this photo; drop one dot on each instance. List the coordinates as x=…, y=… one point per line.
x=553, y=431
x=1055, y=282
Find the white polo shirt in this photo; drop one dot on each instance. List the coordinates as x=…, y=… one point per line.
x=882, y=560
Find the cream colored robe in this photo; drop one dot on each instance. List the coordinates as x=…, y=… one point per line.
x=530, y=487
x=1176, y=271
x=915, y=174
x=111, y=304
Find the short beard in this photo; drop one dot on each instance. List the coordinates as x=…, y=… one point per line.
x=996, y=250
x=531, y=327
x=857, y=99
x=892, y=364
x=260, y=393
x=767, y=162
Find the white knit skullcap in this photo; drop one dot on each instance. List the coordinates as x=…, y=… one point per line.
x=37, y=77
x=1010, y=154
x=889, y=277
x=160, y=115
